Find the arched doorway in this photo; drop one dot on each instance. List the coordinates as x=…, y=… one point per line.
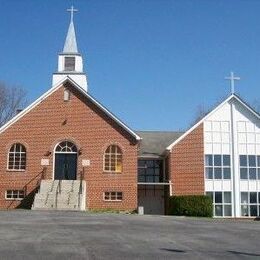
x=65, y=161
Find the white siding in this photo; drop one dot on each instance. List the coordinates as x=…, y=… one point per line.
x=232, y=129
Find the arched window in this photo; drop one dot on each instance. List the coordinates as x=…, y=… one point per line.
x=17, y=157
x=113, y=159
x=66, y=147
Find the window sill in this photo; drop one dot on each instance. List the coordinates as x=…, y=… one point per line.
x=217, y=179
x=112, y=200
x=14, y=199
x=10, y=170
x=111, y=172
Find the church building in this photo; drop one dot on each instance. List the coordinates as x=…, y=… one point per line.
x=67, y=151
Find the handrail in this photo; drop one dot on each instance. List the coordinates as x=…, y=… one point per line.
x=58, y=191
x=41, y=178
x=80, y=189
x=41, y=174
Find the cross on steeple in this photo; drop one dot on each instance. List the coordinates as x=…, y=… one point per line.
x=70, y=62
x=72, y=10
x=232, y=79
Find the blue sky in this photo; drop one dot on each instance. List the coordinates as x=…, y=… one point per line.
x=151, y=62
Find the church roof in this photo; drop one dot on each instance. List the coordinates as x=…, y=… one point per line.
x=154, y=143
x=83, y=92
x=231, y=97
x=70, y=45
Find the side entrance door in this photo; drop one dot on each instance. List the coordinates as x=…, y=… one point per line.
x=65, y=166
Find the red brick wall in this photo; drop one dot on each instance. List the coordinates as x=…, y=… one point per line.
x=186, y=164
x=81, y=122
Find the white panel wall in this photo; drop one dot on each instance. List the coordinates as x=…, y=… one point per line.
x=217, y=141
x=248, y=141
x=233, y=130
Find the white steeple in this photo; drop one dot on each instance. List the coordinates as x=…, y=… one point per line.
x=70, y=45
x=70, y=60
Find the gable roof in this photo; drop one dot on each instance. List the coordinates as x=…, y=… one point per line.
x=83, y=92
x=232, y=96
x=154, y=142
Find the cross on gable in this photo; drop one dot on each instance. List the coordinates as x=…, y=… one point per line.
x=232, y=79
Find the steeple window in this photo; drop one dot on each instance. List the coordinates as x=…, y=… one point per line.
x=69, y=64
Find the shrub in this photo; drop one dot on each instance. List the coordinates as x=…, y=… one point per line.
x=191, y=205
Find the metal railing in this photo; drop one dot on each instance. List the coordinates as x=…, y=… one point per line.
x=58, y=191
x=37, y=179
x=80, y=189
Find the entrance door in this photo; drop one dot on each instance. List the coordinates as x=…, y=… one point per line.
x=65, y=166
x=65, y=161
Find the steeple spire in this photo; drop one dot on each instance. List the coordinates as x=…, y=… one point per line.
x=70, y=45
x=70, y=63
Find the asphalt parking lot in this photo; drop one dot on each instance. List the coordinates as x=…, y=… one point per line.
x=81, y=235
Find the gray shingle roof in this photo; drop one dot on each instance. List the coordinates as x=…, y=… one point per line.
x=154, y=143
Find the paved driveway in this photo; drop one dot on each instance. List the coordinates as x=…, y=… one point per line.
x=80, y=235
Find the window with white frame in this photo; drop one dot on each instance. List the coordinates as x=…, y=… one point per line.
x=249, y=167
x=66, y=95
x=113, y=159
x=217, y=137
x=250, y=204
x=217, y=166
x=66, y=147
x=113, y=196
x=249, y=150
x=17, y=157
x=248, y=137
x=222, y=203
x=14, y=194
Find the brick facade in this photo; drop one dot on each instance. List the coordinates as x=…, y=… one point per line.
x=90, y=129
x=186, y=164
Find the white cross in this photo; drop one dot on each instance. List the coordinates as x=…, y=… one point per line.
x=72, y=10
x=232, y=79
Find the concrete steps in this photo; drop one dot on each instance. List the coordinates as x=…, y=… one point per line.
x=60, y=195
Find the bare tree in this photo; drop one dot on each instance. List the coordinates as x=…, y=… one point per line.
x=11, y=99
x=200, y=112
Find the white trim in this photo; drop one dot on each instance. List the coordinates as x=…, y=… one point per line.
x=116, y=158
x=155, y=157
x=170, y=186
x=169, y=148
x=8, y=158
x=67, y=152
x=110, y=200
x=18, y=199
x=13, y=170
x=24, y=195
x=52, y=90
x=54, y=153
x=234, y=159
x=27, y=109
x=137, y=137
